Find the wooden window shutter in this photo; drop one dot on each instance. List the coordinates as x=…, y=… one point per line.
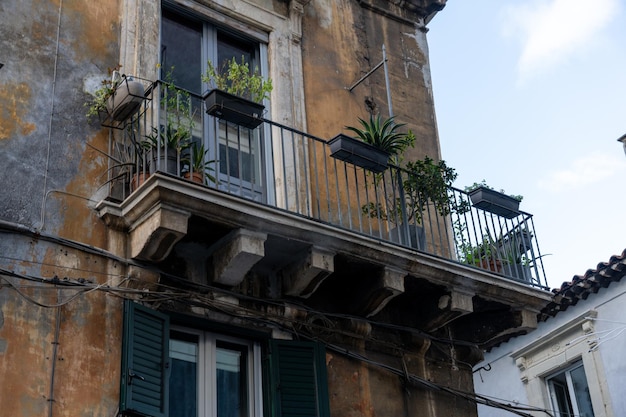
x=145, y=356
x=299, y=381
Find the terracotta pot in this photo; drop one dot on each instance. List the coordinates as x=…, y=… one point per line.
x=137, y=179
x=493, y=265
x=194, y=177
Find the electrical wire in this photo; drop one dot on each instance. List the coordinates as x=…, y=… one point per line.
x=285, y=324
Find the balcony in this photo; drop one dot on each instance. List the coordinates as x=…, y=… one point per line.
x=291, y=171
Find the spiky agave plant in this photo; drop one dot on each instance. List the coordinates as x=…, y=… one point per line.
x=384, y=134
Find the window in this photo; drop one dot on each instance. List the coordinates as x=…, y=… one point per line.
x=180, y=372
x=223, y=369
x=187, y=43
x=569, y=392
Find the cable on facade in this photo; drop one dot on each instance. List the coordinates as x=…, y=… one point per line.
x=253, y=315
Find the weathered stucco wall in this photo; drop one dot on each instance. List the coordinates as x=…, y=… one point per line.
x=65, y=355
x=52, y=53
x=342, y=41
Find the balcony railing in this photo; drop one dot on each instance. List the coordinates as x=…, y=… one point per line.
x=291, y=170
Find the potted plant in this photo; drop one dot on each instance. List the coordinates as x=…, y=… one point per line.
x=375, y=142
x=424, y=183
x=198, y=168
x=169, y=139
x=237, y=93
x=118, y=97
x=483, y=255
x=166, y=144
x=486, y=198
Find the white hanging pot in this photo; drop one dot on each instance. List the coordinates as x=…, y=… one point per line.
x=126, y=99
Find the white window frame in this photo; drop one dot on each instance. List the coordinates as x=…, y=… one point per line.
x=207, y=370
x=570, y=388
x=558, y=350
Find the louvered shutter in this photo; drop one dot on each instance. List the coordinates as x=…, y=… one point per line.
x=144, y=362
x=299, y=378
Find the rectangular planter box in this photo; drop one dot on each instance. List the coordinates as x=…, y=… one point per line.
x=358, y=153
x=494, y=202
x=233, y=108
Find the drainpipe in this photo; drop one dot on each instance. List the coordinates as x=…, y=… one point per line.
x=55, y=348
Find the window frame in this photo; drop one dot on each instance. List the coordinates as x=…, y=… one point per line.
x=569, y=385
x=208, y=341
x=267, y=355
x=215, y=133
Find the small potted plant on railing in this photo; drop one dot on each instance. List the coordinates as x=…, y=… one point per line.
x=198, y=168
x=497, y=202
x=375, y=142
x=237, y=93
x=117, y=98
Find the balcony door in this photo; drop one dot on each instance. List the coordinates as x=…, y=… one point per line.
x=187, y=43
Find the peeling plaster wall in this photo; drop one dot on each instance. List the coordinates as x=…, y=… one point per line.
x=66, y=354
x=52, y=53
x=342, y=41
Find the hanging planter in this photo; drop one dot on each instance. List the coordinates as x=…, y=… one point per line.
x=495, y=202
x=358, y=153
x=233, y=108
x=126, y=99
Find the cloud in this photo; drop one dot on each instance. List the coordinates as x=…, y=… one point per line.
x=553, y=30
x=584, y=171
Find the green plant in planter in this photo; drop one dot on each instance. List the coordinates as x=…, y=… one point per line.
x=384, y=135
x=98, y=103
x=426, y=182
x=238, y=79
x=483, y=183
x=197, y=162
x=176, y=131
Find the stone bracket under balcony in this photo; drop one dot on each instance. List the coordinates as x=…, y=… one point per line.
x=154, y=235
x=449, y=308
x=390, y=284
x=236, y=254
x=302, y=277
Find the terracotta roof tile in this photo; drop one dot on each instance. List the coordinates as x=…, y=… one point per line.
x=582, y=286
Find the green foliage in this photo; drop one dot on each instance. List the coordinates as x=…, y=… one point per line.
x=237, y=79
x=177, y=112
x=197, y=161
x=98, y=103
x=475, y=254
x=483, y=183
x=384, y=135
x=426, y=182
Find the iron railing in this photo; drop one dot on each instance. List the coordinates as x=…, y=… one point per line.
x=291, y=170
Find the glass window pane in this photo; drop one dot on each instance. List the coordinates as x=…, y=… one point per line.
x=581, y=391
x=560, y=396
x=183, y=377
x=231, y=382
x=181, y=42
x=229, y=47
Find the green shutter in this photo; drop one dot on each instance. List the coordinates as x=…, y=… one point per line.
x=299, y=379
x=145, y=355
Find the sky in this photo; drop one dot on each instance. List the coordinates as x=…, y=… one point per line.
x=530, y=95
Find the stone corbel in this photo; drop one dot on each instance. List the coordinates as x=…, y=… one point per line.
x=236, y=254
x=302, y=277
x=450, y=307
x=153, y=236
x=390, y=284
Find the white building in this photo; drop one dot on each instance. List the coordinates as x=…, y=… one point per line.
x=573, y=364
